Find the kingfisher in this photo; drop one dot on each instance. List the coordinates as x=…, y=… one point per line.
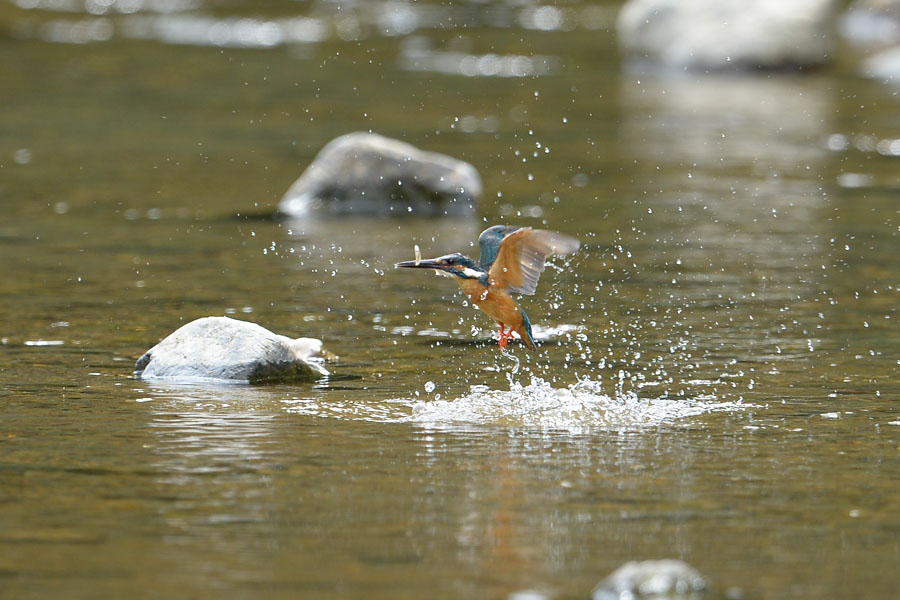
x=511, y=261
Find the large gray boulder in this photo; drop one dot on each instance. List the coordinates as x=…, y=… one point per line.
x=369, y=174
x=220, y=348
x=727, y=34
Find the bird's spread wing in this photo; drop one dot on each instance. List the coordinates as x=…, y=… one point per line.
x=520, y=260
x=489, y=242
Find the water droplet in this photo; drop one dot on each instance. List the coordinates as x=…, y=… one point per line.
x=22, y=156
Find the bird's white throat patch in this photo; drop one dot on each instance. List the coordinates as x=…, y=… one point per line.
x=468, y=272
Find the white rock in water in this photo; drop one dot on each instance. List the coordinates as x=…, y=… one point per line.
x=369, y=174
x=727, y=34
x=221, y=348
x=871, y=22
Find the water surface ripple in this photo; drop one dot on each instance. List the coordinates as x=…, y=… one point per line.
x=718, y=366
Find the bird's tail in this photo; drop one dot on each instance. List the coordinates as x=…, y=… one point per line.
x=525, y=332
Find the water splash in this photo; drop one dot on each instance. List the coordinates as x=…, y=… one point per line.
x=579, y=408
x=514, y=367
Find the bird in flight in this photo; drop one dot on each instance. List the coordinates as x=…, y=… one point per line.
x=512, y=260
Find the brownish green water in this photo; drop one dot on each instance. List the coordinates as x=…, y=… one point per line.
x=718, y=377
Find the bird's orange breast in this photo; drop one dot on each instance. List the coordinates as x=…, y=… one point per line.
x=496, y=303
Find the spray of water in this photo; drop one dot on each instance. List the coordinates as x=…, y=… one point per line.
x=578, y=408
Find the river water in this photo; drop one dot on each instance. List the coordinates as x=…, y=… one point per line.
x=718, y=371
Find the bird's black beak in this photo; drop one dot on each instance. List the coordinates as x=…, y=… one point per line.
x=422, y=264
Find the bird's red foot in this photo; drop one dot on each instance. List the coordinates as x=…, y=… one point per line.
x=504, y=336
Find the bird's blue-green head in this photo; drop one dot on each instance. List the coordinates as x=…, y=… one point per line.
x=452, y=265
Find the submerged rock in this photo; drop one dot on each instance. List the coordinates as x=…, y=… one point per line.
x=369, y=174
x=657, y=579
x=727, y=34
x=228, y=349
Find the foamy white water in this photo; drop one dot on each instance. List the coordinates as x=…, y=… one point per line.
x=578, y=408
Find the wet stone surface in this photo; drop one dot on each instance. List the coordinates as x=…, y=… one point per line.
x=369, y=174
x=224, y=349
